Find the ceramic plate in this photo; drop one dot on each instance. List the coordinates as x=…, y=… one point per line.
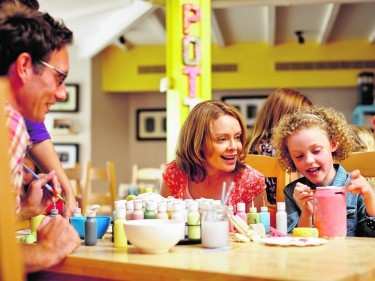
x=294, y=241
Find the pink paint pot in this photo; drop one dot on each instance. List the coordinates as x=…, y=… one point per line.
x=330, y=212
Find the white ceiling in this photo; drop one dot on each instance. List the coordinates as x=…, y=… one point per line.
x=99, y=23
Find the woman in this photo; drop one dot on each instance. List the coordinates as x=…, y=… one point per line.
x=210, y=152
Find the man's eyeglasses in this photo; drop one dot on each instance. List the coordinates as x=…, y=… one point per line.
x=62, y=75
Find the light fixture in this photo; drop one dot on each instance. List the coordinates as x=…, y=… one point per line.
x=300, y=38
x=122, y=43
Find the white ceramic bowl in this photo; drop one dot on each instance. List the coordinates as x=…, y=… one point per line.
x=154, y=236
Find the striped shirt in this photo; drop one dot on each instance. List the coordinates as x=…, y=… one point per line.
x=19, y=141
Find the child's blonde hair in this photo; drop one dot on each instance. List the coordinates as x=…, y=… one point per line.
x=364, y=138
x=365, y=141
x=327, y=119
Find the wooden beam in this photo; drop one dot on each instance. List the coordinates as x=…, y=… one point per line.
x=371, y=38
x=328, y=22
x=216, y=33
x=121, y=20
x=157, y=27
x=271, y=24
x=219, y=4
x=82, y=10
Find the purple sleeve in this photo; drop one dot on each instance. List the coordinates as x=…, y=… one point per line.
x=37, y=131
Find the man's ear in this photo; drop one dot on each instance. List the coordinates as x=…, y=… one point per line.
x=24, y=66
x=334, y=145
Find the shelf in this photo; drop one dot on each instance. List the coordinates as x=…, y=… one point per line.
x=359, y=111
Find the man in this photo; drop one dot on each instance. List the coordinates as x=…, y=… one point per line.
x=42, y=150
x=34, y=63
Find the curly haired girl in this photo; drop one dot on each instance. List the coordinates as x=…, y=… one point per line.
x=310, y=141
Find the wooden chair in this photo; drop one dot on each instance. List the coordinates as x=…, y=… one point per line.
x=105, y=199
x=363, y=161
x=20, y=225
x=270, y=168
x=147, y=175
x=11, y=265
x=75, y=176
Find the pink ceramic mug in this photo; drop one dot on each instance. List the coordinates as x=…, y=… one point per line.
x=330, y=211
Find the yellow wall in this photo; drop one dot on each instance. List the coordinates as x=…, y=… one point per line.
x=255, y=61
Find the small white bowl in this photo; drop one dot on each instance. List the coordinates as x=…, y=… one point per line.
x=154, y=236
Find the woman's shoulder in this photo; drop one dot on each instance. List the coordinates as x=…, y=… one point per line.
x=172, y=167
x=249, y=171
x=249, y=176
x=172, y=171
x=175, y=179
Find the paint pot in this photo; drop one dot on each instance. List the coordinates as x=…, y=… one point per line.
x=215, y=227
x=35, y=222
x=330, y=212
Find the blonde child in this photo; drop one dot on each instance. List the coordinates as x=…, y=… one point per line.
x=364, y=138
x=309, y=141
x=365, y=141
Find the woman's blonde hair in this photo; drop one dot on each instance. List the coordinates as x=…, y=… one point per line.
x=282, y=101
x=197, y=132
x=327, y=119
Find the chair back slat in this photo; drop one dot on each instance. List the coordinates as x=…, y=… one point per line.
x=363, y=161
x=148, y=174
x=270, y=168
x=104, y=174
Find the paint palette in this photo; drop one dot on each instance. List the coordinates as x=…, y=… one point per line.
x=294, y=241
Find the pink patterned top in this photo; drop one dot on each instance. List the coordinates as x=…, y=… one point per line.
x=248, y=184
x=19, y=141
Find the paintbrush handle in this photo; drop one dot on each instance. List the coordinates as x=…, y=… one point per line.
x=46, y=185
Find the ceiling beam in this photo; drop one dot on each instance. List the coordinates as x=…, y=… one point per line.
x=328, y=22
x=371, y=38
x=218, y=4
x=157, y=27
x=81, y=11
x=216, y=33
x=121, y=20
x=271, y=24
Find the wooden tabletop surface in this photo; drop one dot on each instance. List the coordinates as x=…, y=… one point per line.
x=344, y=259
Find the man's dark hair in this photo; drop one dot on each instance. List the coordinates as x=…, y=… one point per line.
x=32, y=4
x=23, y=30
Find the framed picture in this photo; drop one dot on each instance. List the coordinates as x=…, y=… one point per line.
x=152, y=124
x=62, y=126
x=71, y=102
x=248, y=106
x=68, y=154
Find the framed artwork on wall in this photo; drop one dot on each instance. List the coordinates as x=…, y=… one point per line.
x=151, y=124
x=68, y=154
x=248, y=106
x=71, y=102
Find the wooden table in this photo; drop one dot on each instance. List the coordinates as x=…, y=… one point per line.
x=345, y=259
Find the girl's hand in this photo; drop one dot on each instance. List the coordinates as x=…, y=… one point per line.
x=304, y=197
x=359, y=185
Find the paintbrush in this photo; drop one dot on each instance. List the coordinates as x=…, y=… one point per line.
x=46, y=185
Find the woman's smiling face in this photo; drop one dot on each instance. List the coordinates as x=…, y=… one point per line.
x=226, y=145
x=311, y=152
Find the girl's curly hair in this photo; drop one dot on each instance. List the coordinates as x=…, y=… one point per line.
x=327, y=119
